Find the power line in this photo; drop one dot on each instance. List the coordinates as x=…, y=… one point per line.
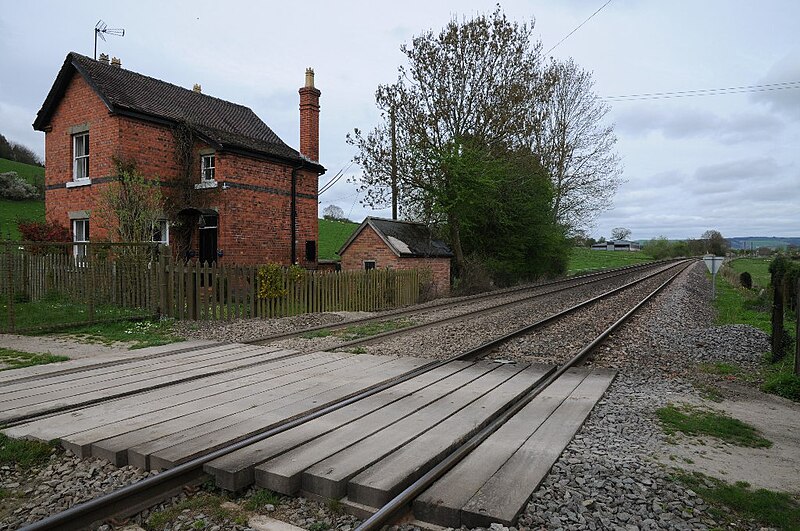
x=579, y=27
x=786, y=85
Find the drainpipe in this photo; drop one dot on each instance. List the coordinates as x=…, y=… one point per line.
x=293, y=214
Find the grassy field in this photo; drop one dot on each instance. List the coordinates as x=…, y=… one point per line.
x=332, y=235
x=13, y=211
x=757, y=267
x=583, y=260
x=26, y=171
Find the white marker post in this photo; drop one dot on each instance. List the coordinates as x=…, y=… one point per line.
x=713, y=263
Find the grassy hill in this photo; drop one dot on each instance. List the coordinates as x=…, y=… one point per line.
x=26, y=171
x=332, y=235
x=13, y=211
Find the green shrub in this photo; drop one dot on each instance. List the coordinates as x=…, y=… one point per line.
x=746, y=280
x=783, y=384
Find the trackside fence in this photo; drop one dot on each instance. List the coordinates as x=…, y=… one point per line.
x=48, y=285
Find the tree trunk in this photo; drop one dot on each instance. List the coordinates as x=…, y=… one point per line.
x=455, y=241
x=777, y=318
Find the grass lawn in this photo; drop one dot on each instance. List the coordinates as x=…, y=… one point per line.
x=52, y=312
x=13, y=211
x=698, y=421
x=584, y=260
x=15, y=359
x=757, y=267
x=332, y=235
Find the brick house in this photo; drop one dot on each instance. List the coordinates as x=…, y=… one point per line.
x=381, y=242
x=233, y=190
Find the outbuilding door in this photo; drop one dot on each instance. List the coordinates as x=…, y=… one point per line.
x=208, y=239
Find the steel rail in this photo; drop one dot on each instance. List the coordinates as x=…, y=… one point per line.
x=609, y=273
x=137, y=496
x=407, y=496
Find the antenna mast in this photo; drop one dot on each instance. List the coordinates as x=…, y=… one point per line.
x=101, y=29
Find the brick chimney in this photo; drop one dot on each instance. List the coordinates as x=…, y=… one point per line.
x=309, y=118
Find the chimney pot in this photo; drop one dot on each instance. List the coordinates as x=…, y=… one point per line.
x=116, y=62
x=310, y=77
x=197, y=88
x=103, y=58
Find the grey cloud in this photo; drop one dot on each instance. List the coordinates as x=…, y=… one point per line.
x=690, y=123
x=785, y=102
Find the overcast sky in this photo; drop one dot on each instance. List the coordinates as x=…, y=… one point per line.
x=726, y=162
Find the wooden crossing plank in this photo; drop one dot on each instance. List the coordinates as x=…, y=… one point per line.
x=283, y=474
x=113, y=442
x=234, y=471
x=254, y=421
x=107, y=423
x=329, y=478
x=442, y=502
x=81, y=364
x=85, y=398
x=385, y=479
x=505, y=494
x=108, y=375
x=62, y=425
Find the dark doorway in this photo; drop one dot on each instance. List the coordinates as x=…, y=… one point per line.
x=208, y=239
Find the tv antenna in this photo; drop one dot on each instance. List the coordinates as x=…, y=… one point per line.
x=101, y=29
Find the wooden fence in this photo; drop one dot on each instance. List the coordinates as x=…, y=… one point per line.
x=146, y=279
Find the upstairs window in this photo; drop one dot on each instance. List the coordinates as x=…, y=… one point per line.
x=80, y=156
x=207, y=168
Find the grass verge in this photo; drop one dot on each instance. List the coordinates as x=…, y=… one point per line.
x=54, y=311
x=139, y=334
x=692, y=420
x=15, y=359
x=776, y=509
x=22, y=453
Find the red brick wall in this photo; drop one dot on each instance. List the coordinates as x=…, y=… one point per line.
x=254, y=225
x=369, y=246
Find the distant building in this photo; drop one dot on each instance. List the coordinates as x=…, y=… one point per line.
x=378, y=243
x=616, y=245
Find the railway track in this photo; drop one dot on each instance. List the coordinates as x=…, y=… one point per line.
x=135, y=497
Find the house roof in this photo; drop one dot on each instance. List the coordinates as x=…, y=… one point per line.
x=224, y=125
x=404, y=238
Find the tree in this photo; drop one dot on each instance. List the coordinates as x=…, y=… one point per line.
x=576, y=147
x=620, y=233
x=18, y=153
x=715, y=243
x=333, y=212
x=471, y=90
x=131, y=205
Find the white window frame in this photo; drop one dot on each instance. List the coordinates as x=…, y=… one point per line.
x=208, y=165
x=78, y=250
x=163, y=227
x=80, y=159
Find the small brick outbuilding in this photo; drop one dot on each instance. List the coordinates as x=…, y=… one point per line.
x=378, y=243
x=234, y=191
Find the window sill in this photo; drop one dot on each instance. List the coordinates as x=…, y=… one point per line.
x=79, y=182
x=206, y=184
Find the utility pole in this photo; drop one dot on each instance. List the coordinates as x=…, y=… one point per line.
x=394, y=162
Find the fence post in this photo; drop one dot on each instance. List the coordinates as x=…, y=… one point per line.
x=10, y=287
x=777, y=317
x=797, y=328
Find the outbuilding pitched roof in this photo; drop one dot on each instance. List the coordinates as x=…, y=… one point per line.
x=404, y=238
x=225, y=125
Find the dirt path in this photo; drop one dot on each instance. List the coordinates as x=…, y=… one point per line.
x=773, y=468
x=61, y=346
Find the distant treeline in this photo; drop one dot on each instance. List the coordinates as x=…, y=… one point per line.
x=18, y=153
